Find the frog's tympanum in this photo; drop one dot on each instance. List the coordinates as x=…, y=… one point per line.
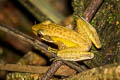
x=72, y=45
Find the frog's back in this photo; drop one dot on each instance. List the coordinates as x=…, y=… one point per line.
x=63, y=32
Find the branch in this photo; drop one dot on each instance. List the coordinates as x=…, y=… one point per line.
x=52, y=70
x=23, y=68
x=92, y=9
x=63, y=70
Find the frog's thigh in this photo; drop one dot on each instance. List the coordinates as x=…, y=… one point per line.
x=82, y=24
x=74, y=55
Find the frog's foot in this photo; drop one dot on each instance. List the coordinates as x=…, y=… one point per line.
x=75, y=55
x=52, y=50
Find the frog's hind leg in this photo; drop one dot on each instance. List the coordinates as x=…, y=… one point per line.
x=74, y=55
x=83, y=25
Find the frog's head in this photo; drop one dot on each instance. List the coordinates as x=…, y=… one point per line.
x=39, y=29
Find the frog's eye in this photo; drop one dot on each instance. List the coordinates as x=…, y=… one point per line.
x=40, y=33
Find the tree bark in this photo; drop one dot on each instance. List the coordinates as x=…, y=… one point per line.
x=107, y=24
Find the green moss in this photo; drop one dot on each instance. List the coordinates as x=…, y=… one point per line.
x=92, y=22
x=111, y=19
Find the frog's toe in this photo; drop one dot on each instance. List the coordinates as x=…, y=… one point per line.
x=90, y=56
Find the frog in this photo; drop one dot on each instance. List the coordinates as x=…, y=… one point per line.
x=72, y=45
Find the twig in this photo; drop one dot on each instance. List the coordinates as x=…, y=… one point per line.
x=35, y=69
x=23, y=68
x=54, y=67
x=76, y=66
x=51, y=71
x=92, y=9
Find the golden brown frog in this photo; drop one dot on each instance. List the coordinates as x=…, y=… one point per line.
x=72, y=45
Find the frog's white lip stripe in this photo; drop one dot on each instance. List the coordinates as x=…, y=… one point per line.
x=47, y=40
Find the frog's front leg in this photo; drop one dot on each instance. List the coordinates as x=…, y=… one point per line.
x=52, y=50
x=74, y=54
x=59, y=44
